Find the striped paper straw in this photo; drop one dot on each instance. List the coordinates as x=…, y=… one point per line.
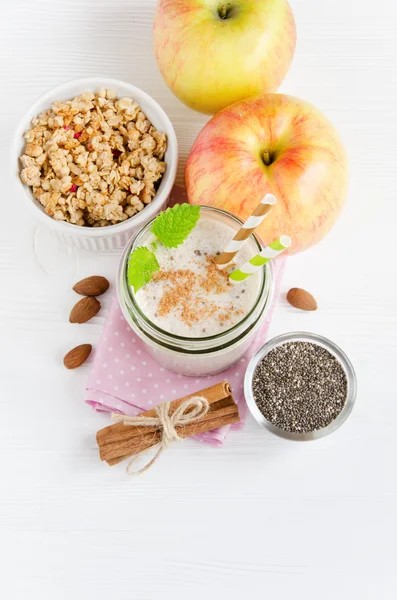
x=261, y=259
x=245, y=231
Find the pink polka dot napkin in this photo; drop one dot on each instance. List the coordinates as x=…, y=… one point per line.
x=124, y=378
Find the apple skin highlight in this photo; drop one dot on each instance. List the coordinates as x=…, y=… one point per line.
x=273, y=144
x=210, y=62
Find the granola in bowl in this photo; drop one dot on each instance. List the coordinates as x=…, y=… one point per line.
x=93, y=161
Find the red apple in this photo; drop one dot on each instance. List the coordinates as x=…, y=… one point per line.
x=276, y=144
x=213, y=53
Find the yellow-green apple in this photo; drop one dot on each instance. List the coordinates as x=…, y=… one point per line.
x=213, y=53
x=272, y=144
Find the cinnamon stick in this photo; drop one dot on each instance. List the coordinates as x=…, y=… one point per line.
x=120, y=441
x=117, y=443
x=118, y=431
x=135, y=444
x=233, y=418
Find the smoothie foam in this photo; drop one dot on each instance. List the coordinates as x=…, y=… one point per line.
x=190, y=296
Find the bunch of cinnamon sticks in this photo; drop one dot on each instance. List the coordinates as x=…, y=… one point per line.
x=119, y=441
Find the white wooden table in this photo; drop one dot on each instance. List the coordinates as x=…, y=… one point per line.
x=260, y=517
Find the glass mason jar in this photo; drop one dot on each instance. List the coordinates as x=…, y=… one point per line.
x=196, y=356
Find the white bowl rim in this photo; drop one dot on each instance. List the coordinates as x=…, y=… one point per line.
x=136, y=220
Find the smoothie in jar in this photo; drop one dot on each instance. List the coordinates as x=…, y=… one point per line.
x=190, y=296
x=192, y=318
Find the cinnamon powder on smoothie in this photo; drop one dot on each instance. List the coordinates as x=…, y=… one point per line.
x=182, y=286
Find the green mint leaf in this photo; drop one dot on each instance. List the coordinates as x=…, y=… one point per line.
x=174, y=225
x=154, y=245
x=141, y=266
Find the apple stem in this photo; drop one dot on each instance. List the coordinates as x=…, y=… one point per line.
x=224, y=9
x=266, y=157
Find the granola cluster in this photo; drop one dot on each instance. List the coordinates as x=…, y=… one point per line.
x=94, y=160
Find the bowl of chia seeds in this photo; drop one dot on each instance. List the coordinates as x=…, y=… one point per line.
x=300, y=386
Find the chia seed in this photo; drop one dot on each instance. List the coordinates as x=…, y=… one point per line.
x=300, y=387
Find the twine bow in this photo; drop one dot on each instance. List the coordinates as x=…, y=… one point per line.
x=192, y=409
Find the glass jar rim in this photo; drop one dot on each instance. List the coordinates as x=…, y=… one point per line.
x=314, y=338
x=267, y=278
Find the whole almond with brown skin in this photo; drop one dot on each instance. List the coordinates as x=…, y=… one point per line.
x=92, y=286
x=301, y=299
x=76, y=357
x=84, y=310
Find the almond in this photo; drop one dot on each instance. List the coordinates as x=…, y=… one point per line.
x=76, y=357
x=92, y=286
x=84, y=310
x=301, y=299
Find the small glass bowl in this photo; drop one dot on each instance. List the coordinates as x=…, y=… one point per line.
x=300, y=336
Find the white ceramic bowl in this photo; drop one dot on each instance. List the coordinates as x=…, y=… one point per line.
x=113, y=236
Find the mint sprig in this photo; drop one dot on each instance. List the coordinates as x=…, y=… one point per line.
x=174, y=225
x=141, y=266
